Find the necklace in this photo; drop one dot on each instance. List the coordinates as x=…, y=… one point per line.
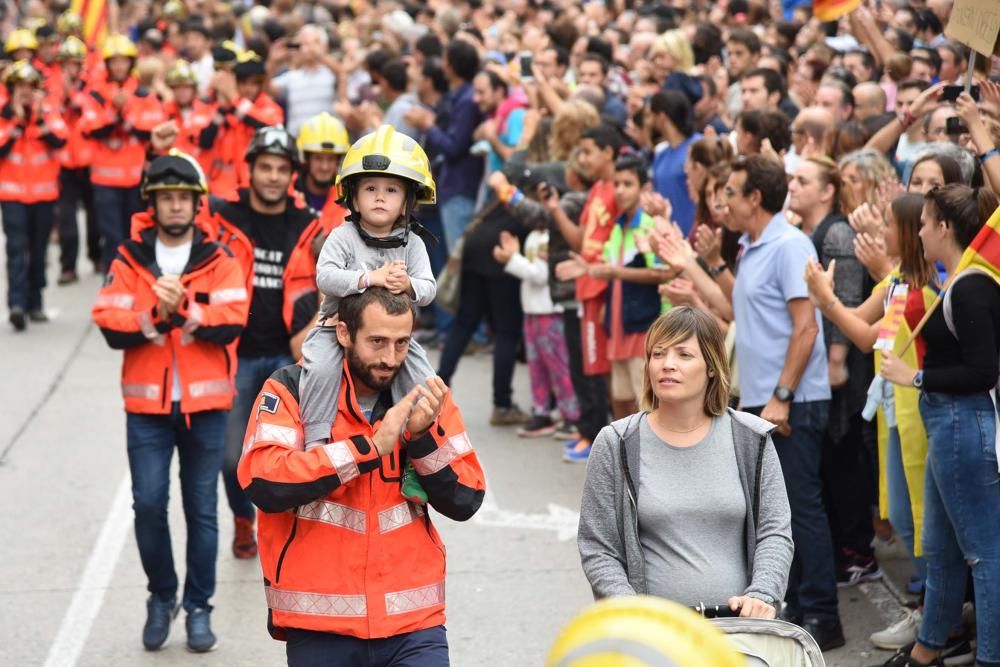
x=666, y=428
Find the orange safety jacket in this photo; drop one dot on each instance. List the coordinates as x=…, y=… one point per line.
x=341, y=549
x=225, y=139
x=52, y=77
x=210, y=317
x=190, y=122
x=29, y=155
x=333, y=214
x=120, y=136
x=301, y=296
x=78, y=152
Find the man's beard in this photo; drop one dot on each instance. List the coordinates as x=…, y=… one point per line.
x=265, y=199
x=362, y=373
x=324, y=184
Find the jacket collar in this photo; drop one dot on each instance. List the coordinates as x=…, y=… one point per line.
x=143, y=252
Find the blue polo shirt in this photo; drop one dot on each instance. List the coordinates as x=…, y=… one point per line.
x=670, y=181
x=770, y=275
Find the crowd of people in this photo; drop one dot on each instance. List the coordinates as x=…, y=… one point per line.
x=712, y=230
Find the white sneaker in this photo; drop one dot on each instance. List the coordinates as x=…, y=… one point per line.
x=899, y=634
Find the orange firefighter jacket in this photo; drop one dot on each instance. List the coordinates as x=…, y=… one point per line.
x=333, y=214
x=78, y=153
x=29, y=155
x=301, y=296
x=211, y=316
x=225, y=139
x=121, y=137
x=341, y=549
x=190, y=123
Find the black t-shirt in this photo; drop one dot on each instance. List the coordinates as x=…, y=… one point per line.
x=265, y=334
x=969, y=364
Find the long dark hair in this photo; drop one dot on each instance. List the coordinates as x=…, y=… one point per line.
x=962, y=208
x=907, y=209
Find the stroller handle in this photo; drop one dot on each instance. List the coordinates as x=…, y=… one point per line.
x=715, y=611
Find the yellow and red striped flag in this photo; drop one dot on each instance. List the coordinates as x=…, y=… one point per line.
x=831, y=10
x=984, y=251
x=95, y=20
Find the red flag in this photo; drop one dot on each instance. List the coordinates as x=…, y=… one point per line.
x=831, y=10
x=95, y=20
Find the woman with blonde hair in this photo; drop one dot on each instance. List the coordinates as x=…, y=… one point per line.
x=671, y=52
x=574, y=116
x=685, y=499
x=862, y=172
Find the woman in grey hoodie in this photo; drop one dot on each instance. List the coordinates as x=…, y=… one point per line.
x=685, y=499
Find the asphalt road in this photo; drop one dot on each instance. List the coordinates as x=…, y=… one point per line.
x=72, y=591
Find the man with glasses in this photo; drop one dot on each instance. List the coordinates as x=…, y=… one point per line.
x=783, y=377
x=272, y=237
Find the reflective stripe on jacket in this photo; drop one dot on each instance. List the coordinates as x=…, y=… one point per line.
x=341, y=550
x=29, y=156
x=224, y=141
x=211, y=316
x=120, y=136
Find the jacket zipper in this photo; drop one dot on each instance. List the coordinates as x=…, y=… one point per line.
x=284, y=549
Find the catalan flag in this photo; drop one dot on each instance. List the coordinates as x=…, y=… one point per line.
x=984, y=251
x=831, y=10
x=95, y=20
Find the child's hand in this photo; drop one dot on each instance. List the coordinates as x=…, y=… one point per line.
x=378, y=277
x=398, y=280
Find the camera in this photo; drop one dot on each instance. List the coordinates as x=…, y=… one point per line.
x=526, y=62
x=951, y=93
x=953, y=127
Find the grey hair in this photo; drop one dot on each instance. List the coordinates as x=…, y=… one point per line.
x=966, y=162
x=872, y=164
x=321, y=35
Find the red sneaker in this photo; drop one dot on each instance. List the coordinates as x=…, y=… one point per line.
x=244, y=540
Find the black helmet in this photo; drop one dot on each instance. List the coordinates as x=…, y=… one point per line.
x=248, y=65
x=174, y=171
x=274, y=140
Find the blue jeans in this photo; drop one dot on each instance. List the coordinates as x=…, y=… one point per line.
x=151, y=442
x=251, y=373
x=456, y=213
x=115, y=208
x=961, y=518
x=812, y=582
x=27, y=228
x=422, y=648
x=900, y=510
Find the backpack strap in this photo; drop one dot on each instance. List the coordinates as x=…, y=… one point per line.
x=946, y=305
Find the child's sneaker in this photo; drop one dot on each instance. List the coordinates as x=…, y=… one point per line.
x=539, y=426
x=579, y=453
x=412, y=489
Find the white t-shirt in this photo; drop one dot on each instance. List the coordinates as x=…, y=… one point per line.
x=306, y=93
x=172, y=260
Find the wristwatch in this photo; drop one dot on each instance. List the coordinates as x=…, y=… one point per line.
x=714, y=271
x=784, y=394
x=918, y=380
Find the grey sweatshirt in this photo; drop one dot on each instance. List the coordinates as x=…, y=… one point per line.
x=345, y=258
x=608, y=536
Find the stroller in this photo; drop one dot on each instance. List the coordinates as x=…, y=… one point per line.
x=764, y=642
